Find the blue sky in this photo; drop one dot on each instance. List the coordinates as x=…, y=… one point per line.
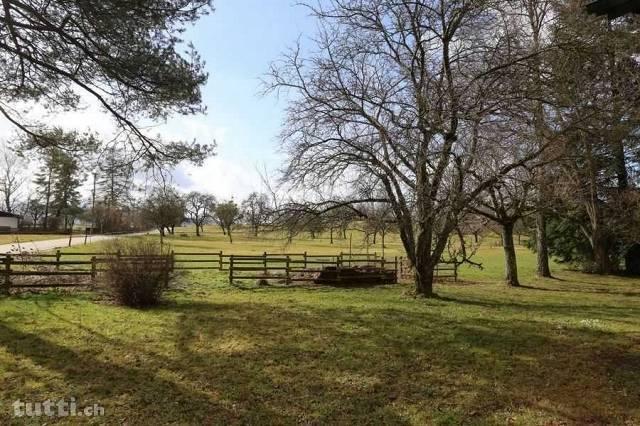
x=238, y=42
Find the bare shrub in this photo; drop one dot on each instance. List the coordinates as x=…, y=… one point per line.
x=137, y=271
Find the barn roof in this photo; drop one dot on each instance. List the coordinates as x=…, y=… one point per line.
x=7, y=214
x=613, y=8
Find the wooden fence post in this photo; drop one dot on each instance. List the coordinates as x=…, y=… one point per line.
x=231, y=269
x=221, y=265
x=58, y=255
x=93, y=268
x=264, y=262
x=173, y=260
x=7, y=272
x=167, y=267
x=396, y=269
x=288, y=280
x=455, y=272
x=401, y=267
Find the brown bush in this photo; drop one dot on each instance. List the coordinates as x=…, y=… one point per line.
x=137, y=276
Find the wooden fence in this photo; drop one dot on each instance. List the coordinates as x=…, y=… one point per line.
x=447, y=270
x=293, y=267
x=22, y=265
x=220, y=261
x=288, y=267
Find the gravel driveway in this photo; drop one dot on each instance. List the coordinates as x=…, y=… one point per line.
x=60, y=242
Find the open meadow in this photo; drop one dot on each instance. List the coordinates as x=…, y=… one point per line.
x=557, y=351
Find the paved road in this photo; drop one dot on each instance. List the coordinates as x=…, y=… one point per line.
x=45, y=245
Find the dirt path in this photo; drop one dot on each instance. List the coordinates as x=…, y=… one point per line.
x=45, y=245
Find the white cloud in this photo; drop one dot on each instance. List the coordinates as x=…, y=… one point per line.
x=231, y=173
x=225, y=179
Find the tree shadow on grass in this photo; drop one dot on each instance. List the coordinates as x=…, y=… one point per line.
x=601, y=290
x=93, y=380
x=269, y=361
x=545, y=308
x=309, y=286
x=344, y=365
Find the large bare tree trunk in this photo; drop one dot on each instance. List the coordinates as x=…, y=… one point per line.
x=424, y=276
x=536, y=19
x=621, y=166
x=597, y=239
x=425, y=261
x=542, y=247
x=510, y=260
x=599, y=243
x=601, y=255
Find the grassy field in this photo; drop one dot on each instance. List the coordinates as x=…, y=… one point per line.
x=558, y=351
x=213, y=240
x=244, y=243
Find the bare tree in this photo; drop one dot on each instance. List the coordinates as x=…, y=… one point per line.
x=228, y=214
x=506, y=203
x=340, y=219
x=12, y=178
x=199, y=208
x=34, y=209
x=395, y=94
x=256, y=210
x=163, y=209
x=378, y=221
x=315, y=225
x=537, y=17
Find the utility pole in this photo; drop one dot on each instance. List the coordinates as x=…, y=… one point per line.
x=93, y=208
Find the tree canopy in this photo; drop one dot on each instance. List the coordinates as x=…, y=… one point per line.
x=128, y=56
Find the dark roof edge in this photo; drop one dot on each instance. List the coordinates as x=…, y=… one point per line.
x=7, y=214
x=613, y=8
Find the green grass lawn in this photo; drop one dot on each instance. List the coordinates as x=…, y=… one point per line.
x=244, y=243
x=560, y=351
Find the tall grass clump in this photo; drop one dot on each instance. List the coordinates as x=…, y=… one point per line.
x=137, y=271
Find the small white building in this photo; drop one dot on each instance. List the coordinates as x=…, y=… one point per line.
x=8, y=222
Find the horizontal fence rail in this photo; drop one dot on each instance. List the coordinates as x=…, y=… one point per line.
x=447, y=270
x=305, y=267
x=21, y=265
x=287, y=267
